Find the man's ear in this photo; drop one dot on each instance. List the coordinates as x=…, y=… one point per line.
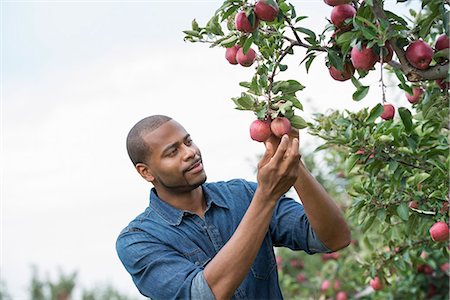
x=145, y=172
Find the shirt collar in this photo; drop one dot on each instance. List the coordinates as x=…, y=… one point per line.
x=173, y=215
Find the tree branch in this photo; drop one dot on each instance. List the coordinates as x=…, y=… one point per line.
x=411, y=73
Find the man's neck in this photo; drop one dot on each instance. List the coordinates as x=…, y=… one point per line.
x=192, y=201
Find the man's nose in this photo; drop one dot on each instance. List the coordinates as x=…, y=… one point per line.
x=189, y=152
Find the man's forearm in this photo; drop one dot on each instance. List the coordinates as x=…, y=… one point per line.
x=226, y=271
x=323, y=214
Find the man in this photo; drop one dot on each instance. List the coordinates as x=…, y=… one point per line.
x=200, y=240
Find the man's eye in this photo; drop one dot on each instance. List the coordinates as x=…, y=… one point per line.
x=173, y=152
x=188, y=142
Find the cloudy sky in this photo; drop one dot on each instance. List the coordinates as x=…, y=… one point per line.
x=76, y=76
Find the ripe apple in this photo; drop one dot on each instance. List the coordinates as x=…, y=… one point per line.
x=296, y=263
x=415, y=97
x=300, y=278
x=364, y=59
x=439, y=232
x=326, y=284
x=340, y=13
x=341, y=295
x=442, y=84
x=419, y=54
x=280, y=126
x=336, y=2
x=413, y=204
x=230, y=54
x=445, y=267
x=442, y=42
x=337, y=285
x=266, y=10
x=343, y=75
x=376, y=284
x=243, y=23
x=245, y=60
x=424, y=268
x=260, y=132
x=389, y=112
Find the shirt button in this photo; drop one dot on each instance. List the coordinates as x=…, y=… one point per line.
x=197, y=263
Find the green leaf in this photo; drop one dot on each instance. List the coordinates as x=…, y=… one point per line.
x=334, y=59
x=192, y=33
x=247, y=44
x=306, y=31
x=298, y=122
x=360, y=93
x=309, y=62
x=381, y=214
x=195, y=26
x=229, y=42
x=356, y=82
x=294, y=86
x=403, y=211
x=283, y=67
x=406, y=117
x=350, y=162
x=375, y=113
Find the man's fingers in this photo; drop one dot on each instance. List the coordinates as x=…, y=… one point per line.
x=282, y=148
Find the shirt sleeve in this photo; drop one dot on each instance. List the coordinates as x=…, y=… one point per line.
x=200, y=289
x=290, y=227
x=158, y=271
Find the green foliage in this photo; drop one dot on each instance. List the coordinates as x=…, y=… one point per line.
x=373, y=168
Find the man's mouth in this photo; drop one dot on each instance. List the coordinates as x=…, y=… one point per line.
x=196, y=164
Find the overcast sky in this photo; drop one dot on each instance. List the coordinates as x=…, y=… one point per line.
x=76, y=76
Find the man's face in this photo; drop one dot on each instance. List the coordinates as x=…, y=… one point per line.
x=175, y=161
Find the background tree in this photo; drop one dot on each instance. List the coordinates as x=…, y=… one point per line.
x=392, y=161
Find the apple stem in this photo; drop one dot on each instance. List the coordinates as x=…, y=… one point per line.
x=383, y=86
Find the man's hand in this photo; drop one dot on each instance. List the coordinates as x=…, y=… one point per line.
x=275, y=141
x=278, y=168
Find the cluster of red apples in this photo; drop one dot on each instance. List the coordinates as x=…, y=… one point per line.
x=261, y=130
x=264, y=10
x=418, y=53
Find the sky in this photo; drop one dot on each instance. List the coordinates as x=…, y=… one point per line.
x=75, y=77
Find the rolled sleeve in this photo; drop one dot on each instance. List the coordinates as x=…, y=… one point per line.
x=200, y=288
x=157, y=270
x=314, y=244
x=290, y=227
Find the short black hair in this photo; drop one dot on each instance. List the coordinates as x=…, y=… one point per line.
x=137, y=149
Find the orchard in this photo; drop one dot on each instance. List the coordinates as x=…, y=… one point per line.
x=387, y=165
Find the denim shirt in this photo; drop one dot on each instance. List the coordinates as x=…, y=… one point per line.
x=165, y=249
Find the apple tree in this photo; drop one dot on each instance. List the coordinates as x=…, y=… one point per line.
x=392, y=161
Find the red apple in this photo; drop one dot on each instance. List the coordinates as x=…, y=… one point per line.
x=260, y=132
x=341, y=295
x=376, y=284
x=413, y=204
x=337, y=285
x=343, y=75
x=442, y=42
x=389, y=112
x=364, y=59
x=336, y=2
x=445, y=267
x=230, y=54
x=295, y=263
x=266, y=10
x=442, y=84
x=439, y=232
x=424, y=268
x=280, y=126
x=326, y=284
x=415, y=97
x=340, y=13
x=243, y=23
x=360, y=152
x=246, y=60
x=300, y=278
x=419, y=54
